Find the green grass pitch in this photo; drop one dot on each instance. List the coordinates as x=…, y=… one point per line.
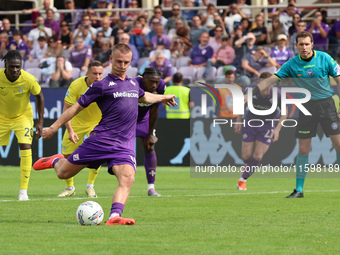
x=194, y=216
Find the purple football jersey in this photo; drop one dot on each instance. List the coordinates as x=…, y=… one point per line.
x=144, y=109
x=118, y=101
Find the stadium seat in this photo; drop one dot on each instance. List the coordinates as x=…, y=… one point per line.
x=188, y=72
x=174, y=70
x=200, y=72
x=82, y=73
x=141, y=61
x=106, y=71
x=173, y=61
x=35, y=71
x=182, y=61
x=33, y=64
x=219, y=72
x=75, y=73
x=132, y=72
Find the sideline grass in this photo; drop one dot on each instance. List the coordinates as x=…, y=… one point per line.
x=194, y=216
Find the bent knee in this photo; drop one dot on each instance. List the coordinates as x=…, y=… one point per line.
x=258, y=157
x=127, y=180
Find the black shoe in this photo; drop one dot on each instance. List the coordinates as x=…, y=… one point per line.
x=295, y=194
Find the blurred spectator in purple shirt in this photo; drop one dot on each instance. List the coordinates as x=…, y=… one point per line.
x=319, y=30
x=281, y=53
x=51, y=23
x=163, y=65
x=159, y=34
x=6, y=27
x=201, y=52
x=19, y=45
x=81, y=55
x=334, y=39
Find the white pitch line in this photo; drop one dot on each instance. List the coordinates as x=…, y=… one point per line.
x=167, y=196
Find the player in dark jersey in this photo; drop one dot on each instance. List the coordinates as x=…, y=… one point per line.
x=146, y=123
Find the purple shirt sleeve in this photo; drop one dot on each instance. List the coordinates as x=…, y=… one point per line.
x=92, y=94
x=141, y=92
x=89, y=53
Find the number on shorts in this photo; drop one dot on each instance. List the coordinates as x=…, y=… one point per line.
x=29, y=132
x=269, y=131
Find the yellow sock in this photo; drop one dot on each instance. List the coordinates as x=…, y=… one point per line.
x=92, y=175
x=69, y=182
x=25, y=166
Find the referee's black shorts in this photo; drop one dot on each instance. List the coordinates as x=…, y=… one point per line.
x=324, y=112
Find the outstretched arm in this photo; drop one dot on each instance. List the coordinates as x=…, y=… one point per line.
x=150, y=98
x=47, y=133
x=266, y=83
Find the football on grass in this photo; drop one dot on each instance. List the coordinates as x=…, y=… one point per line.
x=90, y=213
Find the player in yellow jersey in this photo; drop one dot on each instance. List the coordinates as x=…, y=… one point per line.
x=82, y=124
x=16, y=113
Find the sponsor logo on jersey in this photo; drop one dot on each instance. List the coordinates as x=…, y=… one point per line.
x=131, y=93
x=112, y=83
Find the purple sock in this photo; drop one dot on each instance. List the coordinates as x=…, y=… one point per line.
x=117, y=208
x=150, y=164
x=55, y=161
x=251, y=164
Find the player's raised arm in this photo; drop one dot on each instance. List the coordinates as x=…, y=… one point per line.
x=150, y=98
x=266, y=83
x=47, y=133
x=40, y=105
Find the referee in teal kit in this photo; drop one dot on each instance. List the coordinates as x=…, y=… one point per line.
x=311, y=70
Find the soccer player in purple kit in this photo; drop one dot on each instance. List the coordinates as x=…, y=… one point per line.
x=113, y=139
x=256, y=139
x=146, y=123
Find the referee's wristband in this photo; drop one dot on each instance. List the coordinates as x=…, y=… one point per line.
x=256, y=90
